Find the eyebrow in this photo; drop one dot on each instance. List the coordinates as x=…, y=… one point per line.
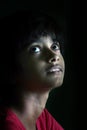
x=34, y=40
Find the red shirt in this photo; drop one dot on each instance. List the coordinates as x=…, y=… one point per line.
x=9, y=121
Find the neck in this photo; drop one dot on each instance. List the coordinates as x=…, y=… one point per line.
x=33, y=105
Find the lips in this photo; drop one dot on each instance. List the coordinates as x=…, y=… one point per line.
x=56, y=68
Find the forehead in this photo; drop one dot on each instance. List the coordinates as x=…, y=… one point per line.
x=43, y=38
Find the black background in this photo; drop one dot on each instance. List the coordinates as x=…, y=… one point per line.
x=65, y=102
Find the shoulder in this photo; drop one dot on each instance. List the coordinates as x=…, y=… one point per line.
x=47, y=122
x=9, y=121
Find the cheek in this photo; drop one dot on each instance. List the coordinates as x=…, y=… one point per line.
x=35, y=68
x=62, y=62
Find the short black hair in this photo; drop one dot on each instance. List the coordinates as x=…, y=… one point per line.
x=23, y=26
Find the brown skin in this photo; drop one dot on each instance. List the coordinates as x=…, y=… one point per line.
x=35, y=65
x=34, y=79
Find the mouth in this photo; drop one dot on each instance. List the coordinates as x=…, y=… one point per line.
x=56, y=69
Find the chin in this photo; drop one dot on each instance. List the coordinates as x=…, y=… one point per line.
x=57, y=84
x=55, y=81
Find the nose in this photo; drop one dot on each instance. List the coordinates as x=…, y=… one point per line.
x=54, y=59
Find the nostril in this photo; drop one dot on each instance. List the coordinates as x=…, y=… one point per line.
x=54, y=59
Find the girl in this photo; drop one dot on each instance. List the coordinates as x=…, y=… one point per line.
x=31, y=66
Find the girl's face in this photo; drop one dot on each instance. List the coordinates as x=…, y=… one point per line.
x=42, y=65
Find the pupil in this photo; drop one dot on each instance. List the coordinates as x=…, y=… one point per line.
x=54, y=47
x=34, y=49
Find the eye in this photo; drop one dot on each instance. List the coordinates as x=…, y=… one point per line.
x=35, y=49
x=55, y=46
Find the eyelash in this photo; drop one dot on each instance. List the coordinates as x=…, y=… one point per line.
x=32, y=49
x=58, y=46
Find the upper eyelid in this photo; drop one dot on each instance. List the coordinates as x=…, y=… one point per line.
x=34, y=45
x=41, y=45
x=57, y=43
